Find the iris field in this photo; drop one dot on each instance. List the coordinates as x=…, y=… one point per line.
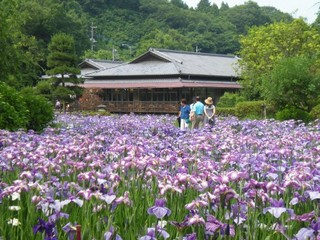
x=140, y=177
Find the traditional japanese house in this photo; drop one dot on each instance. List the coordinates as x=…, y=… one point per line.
x=157, y=80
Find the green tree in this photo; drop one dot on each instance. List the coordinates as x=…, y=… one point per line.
x=45, y=89
x=62, y=62
x=264, y=46
x=293, y=82
x=214, y=9
x=246, y=15
x=19, y=54
x=316, y=23
x=180, y=4
x=100, y=54
x=204, y=6
x=224, y=6
x=171, y=39
x=8, y=53
x=275, y=15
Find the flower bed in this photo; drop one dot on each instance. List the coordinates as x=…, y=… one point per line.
x=140, y=177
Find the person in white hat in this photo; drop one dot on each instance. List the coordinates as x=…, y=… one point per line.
x=209, y=112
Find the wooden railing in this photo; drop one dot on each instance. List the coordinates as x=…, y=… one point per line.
x=141, y=107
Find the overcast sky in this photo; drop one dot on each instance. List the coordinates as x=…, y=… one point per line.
x=297, y=8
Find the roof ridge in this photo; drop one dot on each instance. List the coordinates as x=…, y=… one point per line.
x=161, y=50
x=105, y=68
x=104, y=60
x=166, y=56
x=97, y=62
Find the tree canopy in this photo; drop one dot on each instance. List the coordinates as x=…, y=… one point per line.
x=293, y=82
x=264, y=46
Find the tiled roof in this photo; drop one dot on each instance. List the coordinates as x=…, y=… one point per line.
x=168, y=62
x=202, y=63
x=138, y=69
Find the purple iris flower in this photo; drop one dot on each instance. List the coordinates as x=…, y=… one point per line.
x=57, y=206
x=192, y=236
x=108, y=198
x=306, y=217
x=212, y=225
x=47, y=227
x=159, y=209
x=312, y=232
x=179, y=225
x=152, y=235
x=58, y=215
x=315, y=225
x=195, y=219
x=111, y=234
x=313, y=194
x=71, y=230
x=277, y=208
x=304, y=233
x=239, y=212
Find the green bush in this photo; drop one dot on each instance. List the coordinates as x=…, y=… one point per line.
x=45, y=89
x=315, y=112
x=226, y=111
x=229, y=100
x=40, y=112
x=94, y=113
x=12, y=108
x=293, y=113
x=253, y=110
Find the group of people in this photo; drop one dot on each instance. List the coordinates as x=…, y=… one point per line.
x=197, y=114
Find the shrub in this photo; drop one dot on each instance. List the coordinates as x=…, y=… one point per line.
x=12, y=108
x=229, y=100
x=40, y=112
x=293, y=113
x=253, y=109
x=45, y=89
x=315, y=112
x=226, y=111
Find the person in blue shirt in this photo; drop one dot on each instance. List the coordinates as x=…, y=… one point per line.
x=199, y=114
x=184, y=114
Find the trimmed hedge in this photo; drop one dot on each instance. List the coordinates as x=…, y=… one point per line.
x=293, y=113
x=253, y=110
x=315, y=112
x=229, y=100
x=226, y=111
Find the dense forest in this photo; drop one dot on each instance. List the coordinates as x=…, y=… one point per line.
x=119, y=29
